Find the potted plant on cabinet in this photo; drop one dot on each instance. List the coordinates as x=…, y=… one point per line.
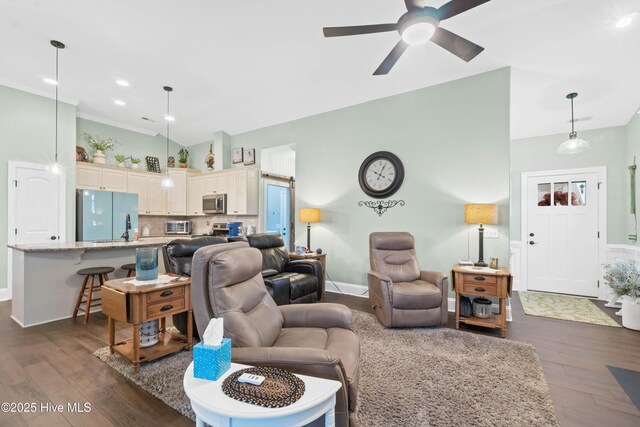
x=135, y=162
x=120, y=158
x=100, y=145
x=623, y=277
x=183, y=157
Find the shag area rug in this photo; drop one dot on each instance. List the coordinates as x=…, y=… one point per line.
x=409, y=377
x=577, y=309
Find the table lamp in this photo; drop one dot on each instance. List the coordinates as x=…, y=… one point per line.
x=481, y=214
x=309, y=215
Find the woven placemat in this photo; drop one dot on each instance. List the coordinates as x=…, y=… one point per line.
x=280, y=388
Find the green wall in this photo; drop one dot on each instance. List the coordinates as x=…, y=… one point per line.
x=131, y=143
x=453, y=140
x=633, y=149
x=608, y=148
x=27, y=134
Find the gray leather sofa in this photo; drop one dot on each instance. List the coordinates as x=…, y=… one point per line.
x=400, y=293
x=308, y=339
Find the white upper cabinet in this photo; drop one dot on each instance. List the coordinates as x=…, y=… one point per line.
x=194, y=197
x=92, y=177
x=150, y=192
x=239, y=184
x=176, y=197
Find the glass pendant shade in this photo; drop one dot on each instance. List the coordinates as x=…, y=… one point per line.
x=573, y=145
x=167, y=181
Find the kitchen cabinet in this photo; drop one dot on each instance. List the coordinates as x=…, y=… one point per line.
x=150, y=192
x=90, y=177
x=176, y=197
x=242, y=191
x=216, y=183
x=194, y=197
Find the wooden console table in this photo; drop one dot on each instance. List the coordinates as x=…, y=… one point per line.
x=496, y=284
x=128, y=303
x=312, y=255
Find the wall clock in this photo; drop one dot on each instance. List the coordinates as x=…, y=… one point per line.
x=381, y=174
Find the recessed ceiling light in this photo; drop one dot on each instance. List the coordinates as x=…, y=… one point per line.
x=119, y=102
x=625, y=20
x=123, y=83
x=170, y=118
x=50, y=81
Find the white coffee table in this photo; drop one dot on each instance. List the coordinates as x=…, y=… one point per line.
x=217, y=409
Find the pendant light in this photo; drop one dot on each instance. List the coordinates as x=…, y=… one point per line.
x=56, y=167
x=574, y=144
x=167, y=181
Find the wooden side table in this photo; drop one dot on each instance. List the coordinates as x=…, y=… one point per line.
x=215, y=408
x=478, y=282
x=320, y=257
x=128, y=303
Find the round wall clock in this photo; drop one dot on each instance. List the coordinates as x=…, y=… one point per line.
x=381, y=174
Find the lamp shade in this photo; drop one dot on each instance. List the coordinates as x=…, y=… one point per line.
x=309, y=215
x=480, y=213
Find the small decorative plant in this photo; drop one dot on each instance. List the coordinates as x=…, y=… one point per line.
x=101, y=144
x=120, y=158
x=623, y=277
x=183, y=157
x=135, y=162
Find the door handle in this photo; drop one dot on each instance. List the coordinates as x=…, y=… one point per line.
x=480, y=290
x=53, y=237
x=531, y=242
x=166, y=307
x=479, y=278
x=166, y=293
x=531, y=234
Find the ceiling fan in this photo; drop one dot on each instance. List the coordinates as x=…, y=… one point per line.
x=419, y=25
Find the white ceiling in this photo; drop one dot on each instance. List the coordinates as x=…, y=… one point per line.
x=237, y=66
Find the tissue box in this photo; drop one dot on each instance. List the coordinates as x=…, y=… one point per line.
x=211, y=361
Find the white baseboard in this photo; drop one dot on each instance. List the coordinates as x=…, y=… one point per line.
x=5, y=295
x=346, y=288
x=452, y=307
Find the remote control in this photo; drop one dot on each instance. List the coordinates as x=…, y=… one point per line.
x=251, y=379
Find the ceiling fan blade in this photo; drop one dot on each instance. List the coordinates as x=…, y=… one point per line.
x=358, y=29
x=414, y=4
x=459, y=46
x=456, y=7
x=391, y=59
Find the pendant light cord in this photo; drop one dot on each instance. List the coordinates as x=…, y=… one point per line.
x=572, y=129
x=57, y=84
x=168, y=92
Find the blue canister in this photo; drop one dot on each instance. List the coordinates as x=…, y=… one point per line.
x=234, y=228
x=146, y=263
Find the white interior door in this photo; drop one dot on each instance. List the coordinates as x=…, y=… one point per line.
x=562, y=233
x=37, y=198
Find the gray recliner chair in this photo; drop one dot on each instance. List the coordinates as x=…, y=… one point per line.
x=401, y=294
x=308, y=339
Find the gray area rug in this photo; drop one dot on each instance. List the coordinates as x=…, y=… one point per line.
x=410, y=377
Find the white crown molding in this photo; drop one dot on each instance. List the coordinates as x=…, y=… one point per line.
x=108, y=122
x=38, y=92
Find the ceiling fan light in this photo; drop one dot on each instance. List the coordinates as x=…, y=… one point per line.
x=573, y=145
x=418, y=33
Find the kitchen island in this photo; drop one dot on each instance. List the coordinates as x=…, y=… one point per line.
x=44, y=282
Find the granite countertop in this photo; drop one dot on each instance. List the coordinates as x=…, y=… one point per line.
x=91, y=246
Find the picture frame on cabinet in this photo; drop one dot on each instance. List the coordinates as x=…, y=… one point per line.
x=236, y=155
x=249, y=156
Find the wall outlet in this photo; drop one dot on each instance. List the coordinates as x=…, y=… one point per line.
x=491, y=233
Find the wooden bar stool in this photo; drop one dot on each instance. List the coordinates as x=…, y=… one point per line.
x=86, y=293
x=131, y=269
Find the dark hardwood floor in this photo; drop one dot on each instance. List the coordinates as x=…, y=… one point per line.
x=54, y=363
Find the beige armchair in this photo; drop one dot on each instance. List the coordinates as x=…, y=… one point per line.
x=400, y=293
x=308, y=339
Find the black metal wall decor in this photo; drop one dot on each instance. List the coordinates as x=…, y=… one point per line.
x=381, y=206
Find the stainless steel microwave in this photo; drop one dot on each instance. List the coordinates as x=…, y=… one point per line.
x=214, y=204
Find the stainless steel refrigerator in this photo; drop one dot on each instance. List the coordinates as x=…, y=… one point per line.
x=101, y=215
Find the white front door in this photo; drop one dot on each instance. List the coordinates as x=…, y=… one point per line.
x=562, y=233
